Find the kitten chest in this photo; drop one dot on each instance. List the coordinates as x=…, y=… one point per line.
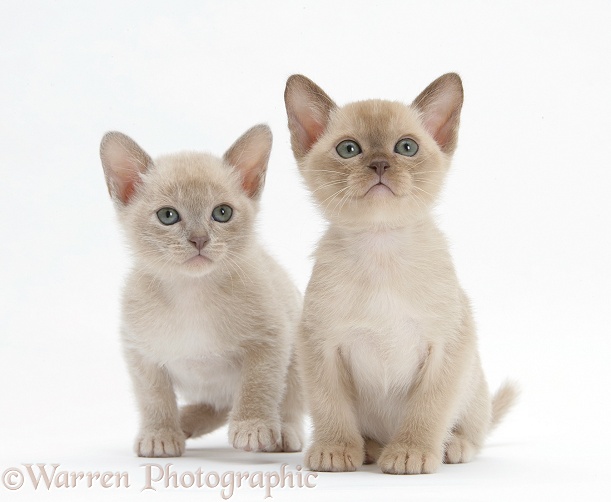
x=186, y=337
x=374, y=302
x=384, y=339
x=383, y=343
x=204, y=365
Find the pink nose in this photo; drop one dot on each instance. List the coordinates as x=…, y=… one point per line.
x=379, y=166
x=199, y=242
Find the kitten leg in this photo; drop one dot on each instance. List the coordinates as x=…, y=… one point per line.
x=372, y=451
x=160, y=434
x=254, y=422
x=338, y=444
x=470, y=431
x=292, y=411
x=199, y=419
x=417, y=448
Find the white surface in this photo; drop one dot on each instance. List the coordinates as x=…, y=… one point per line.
x=526, y=208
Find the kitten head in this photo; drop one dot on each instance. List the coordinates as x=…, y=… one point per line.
x=374, y=162
x=187, y=213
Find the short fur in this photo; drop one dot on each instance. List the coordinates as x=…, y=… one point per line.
x=206, y=311
x=387, y=339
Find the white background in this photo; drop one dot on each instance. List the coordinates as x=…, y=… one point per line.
x=526, y=209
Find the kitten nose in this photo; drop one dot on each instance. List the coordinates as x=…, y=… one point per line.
x=379, y=166
x=199, y=242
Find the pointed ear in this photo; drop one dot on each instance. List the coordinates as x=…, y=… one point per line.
x=249, y=155
x=123, y=162
x=439, y=105
x=308, y=109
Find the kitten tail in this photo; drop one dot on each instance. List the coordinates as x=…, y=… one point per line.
x=502, y=401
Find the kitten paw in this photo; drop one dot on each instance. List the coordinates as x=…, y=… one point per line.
x=372, y=451
x=254, y=435
x=403, y=459
x=459, y=450
x=160, y=443
x=334, y=457
x=291, y=438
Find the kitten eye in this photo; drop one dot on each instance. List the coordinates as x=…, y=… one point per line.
x=222, y=213
x=348, y=148
x=168, y=215
x=407, y=147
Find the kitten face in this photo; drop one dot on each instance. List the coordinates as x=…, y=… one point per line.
x=187, y=213
x=373, y=161
x=190, y=216
x=396, y=170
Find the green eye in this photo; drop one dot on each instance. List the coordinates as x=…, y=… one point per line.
x=222, y=213
x=407, y=147
x=168, y=215
x=348, y=148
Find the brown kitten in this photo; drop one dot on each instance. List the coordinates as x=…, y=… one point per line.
x=387, y=340
x=206, y=311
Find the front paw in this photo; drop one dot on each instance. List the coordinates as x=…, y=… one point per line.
x=405, y=459
x=291, y=438
x=459, y=450
x=160, y=443
x=254, y=435
x=337, y=457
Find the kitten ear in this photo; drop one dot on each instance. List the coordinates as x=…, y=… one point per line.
x=249, y=155
x=440, y=105
x=123, y=162
x=308, y=109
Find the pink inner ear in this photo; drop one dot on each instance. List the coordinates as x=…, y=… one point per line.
x=445, y=132
x=439, y=105
x=123, y=162
x=308, y=111
x=249, y=156
x=124, y=168
x=439, y=125
x=251, y=181
x=308, y=130
x=127, y=185
x=440, y=117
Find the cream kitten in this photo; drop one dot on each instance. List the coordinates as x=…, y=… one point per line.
x=387, y=339
x=206, y=311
